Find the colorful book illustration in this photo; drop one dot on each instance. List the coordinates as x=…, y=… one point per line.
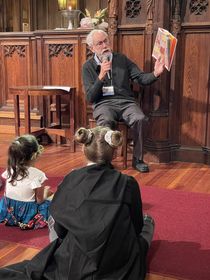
x=164, y=47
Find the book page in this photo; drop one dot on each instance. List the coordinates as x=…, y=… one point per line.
x=58, y=87
x=164, y=47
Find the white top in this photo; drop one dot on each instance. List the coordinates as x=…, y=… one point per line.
x=24, y=190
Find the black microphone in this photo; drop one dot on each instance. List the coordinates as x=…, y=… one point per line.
x=107, y=57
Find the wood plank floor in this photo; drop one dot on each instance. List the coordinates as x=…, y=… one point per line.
x=57, y=160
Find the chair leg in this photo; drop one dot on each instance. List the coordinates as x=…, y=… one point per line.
x=125, y=151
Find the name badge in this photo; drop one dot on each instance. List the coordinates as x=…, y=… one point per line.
x=108, y=91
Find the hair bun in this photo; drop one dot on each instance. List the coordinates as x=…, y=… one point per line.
x=113, y=138
x=83, y=135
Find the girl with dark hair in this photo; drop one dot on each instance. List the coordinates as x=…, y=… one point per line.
x=23, y=203
x=101, y=232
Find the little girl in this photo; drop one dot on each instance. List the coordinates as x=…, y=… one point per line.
x=23, y=203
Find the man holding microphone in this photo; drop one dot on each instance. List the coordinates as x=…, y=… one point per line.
x=107, y=78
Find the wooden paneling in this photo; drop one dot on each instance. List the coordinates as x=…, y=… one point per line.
x=63, y=57
x=16, y=69
x=84, y=54
x=177, y=104
x=132, y=12
x=60, y=61
x=195, y=11
x=195, y=89
x=43, y=58
x=132, y=45
x=192, y=121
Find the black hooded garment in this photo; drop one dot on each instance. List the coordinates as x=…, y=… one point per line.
x=98, y=214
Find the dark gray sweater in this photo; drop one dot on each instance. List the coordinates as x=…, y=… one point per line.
x=123, y=72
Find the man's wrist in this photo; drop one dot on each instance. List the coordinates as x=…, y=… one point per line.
x=101, y=77
x=156, y=74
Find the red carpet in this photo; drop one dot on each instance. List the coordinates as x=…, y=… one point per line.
x=181, y=246
x=32, y=238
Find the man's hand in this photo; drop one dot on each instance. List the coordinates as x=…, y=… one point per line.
x=159, y=67
x=105, y=67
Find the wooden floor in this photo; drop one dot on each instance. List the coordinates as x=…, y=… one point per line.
x=58, y=161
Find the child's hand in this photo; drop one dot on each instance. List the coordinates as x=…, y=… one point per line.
x=47, y=192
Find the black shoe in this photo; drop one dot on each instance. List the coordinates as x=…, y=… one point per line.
x=140, y=165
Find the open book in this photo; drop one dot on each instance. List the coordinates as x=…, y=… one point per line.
x=164, y=47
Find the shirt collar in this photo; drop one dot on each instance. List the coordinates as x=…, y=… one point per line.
x=97, y=60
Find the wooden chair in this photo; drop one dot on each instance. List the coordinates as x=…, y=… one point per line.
x=123, y=128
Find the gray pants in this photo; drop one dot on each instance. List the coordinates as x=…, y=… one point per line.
x=111, y=111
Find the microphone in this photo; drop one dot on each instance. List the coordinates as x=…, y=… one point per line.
x=107, y=57
x=108, y=74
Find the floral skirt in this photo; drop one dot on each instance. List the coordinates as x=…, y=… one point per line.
x=26, y=215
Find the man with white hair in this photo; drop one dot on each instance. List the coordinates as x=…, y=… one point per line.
x=107, y=78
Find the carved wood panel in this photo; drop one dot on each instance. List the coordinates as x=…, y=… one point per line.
x=59, y=64
x=63, y=58
x=195, y=11
x=132, y=12
x=16, y=59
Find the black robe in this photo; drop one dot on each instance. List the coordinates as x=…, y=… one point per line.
x=98, y=214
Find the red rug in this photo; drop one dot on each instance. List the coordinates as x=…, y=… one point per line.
x=181, y=246
x=32, y=238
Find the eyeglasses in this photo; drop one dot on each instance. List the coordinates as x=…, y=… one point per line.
x=100, y=43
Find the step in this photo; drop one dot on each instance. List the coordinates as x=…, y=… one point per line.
x=11, y=115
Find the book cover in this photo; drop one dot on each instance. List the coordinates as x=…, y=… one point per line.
x=164, y=47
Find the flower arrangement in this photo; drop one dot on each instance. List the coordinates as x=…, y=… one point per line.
x=98, y=17
x=97, y=21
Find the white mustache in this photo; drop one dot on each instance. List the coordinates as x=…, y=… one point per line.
x=106, y=57
x=106, y=51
